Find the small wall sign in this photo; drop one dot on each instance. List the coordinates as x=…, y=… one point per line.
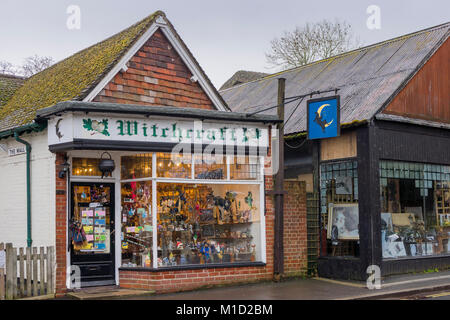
x=16, y=151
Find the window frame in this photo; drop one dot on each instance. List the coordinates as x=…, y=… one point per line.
x=191, y=180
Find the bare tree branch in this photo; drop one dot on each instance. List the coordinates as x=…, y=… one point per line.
x=8, y=68
x=311, y=42
x=31, y=66
x=35, y=64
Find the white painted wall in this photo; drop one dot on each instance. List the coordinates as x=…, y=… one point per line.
x=13, y=205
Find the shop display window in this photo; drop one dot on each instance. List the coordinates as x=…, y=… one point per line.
x=137, y=166
x=196, y=223
x=415, y=209
x=339, y=208
x=202, y=224
x=137, y=226
x=244, y=168
x=174, y=166
x=210, y=167
x=85, y=167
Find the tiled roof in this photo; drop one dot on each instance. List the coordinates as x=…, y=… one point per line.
x=368, y=78
x=72, y=78
x=242, y=76
x=8, y=85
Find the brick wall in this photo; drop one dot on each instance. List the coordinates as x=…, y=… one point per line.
x=171, y=281
x=295, y=231
x=61, y=227
x=156, y=75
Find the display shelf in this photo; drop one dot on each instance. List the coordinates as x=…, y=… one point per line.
x=233, y=224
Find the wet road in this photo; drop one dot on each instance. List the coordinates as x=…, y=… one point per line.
x=438, y=295
x=305, y=289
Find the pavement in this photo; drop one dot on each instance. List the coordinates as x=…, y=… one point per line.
x=433, y=285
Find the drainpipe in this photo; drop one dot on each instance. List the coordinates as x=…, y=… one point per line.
x=28, y=149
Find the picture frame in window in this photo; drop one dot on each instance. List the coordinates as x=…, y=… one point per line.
x=345, y=217
x=344, y=185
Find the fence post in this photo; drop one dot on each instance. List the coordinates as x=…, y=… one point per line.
x=53, y=268
x=41, y=271
x=14, y=272
x=21, y=272
x=35, y=272
x=49, y=271
x=9, y=272
x=28, y=251
x=2, y=271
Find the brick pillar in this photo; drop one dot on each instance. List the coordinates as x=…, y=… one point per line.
x=61, y=227
x=295, y=229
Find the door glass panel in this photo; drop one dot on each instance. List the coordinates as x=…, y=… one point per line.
x=92, y=217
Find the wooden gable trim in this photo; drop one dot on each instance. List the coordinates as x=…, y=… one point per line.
x=426, y=95
x=387, y=103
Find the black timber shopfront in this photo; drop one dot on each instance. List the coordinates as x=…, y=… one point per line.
x=379, y=143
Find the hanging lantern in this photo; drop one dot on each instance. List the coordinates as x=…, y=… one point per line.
x=106, y=166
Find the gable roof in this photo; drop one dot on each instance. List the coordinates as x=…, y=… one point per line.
x=8, y=85
x=242, y=76
x=81, y=76
x=368, y=78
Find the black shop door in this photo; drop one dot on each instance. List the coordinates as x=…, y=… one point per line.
x=93, y=210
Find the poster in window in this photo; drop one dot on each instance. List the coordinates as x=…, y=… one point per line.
x=345, y=219
x=344, y=185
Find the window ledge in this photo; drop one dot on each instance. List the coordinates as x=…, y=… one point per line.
x=446, y=255
x=195, y=267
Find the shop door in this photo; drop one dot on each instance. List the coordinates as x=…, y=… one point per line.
x=93, y=211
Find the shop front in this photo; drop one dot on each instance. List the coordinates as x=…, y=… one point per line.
x=152, y=194
x=386, y=204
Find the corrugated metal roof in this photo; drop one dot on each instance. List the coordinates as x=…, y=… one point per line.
x=367, y=79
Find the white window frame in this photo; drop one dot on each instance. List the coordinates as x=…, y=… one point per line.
x=155, y=180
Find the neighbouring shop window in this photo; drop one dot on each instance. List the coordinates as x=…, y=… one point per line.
x=244, y=168
x=137, y=166
x=208, y=223
x=415, y=209
x=137, y=226
x=210, y=167
x=85, y=167
x=174, y=166
x=339, y=208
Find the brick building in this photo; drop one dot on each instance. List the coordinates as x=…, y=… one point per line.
x=139, y=173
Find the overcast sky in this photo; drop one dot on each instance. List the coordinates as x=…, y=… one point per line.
x=224, y=36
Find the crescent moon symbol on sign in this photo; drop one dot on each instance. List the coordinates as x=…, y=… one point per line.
x=319, y=111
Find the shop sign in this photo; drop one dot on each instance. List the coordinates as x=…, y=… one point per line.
x=91, y=127
x=323, y=117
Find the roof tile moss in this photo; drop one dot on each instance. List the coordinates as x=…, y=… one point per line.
x=72, y=78
x=8, y=86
